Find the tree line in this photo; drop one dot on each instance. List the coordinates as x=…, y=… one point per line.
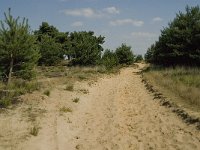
x=21, y=49
x=179, y=43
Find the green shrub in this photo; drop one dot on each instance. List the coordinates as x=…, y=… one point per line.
x=5, y=102
x=138, y=58
x=109, y=59
x=17, y=87
x=124, y=54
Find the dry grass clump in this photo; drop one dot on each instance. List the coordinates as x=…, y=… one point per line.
x=75, y=100
x=47, y=92
x=183, y=82
x=65, y=109
x=10, y=93
x=34, y=130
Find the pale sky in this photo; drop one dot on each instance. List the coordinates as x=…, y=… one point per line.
x=134, y=22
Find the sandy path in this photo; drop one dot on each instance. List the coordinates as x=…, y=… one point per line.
x=117, y=114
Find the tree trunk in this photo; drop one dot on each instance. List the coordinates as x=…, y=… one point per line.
x=10, y=69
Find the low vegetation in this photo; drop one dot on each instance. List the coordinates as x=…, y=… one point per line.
x=47, y=92
x=65, y=109
x=9, y=93
x=34, y=130
x=182, y=83
x=75, y=100
x=69, y=87
x=84, y=91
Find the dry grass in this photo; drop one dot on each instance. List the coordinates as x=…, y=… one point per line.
x=34, y=130
x=65, y=109
x=69, y=87
x=47, y=92
x=181, y=82
x=9, y=94
x=75, y=100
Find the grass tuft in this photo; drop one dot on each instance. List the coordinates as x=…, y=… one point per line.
x=10, y=93
x=75, y=100
x=34, y=130
x=47, y=92
x=69, y=88
x=65, y=109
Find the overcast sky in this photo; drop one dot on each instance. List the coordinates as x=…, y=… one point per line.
x=134, y=22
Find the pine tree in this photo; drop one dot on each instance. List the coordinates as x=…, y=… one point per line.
x=18, y=52
x=124, y=54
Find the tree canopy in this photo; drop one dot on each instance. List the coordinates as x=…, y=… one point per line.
x=179, y=43
x=124, y=54
x=86, y=48
x=109, y=59
x=18, y=51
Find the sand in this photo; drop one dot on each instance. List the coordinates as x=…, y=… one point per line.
x=117, y=113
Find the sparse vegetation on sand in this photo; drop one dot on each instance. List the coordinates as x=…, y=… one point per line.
x=9, y=93
x=75, y=100
x=34, y=130
x=182, y=82
x=47, y=92
x=69, y=87
x=65, y=109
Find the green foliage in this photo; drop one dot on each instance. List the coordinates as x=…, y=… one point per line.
x=46, y=29
x=109, y=59
x=10, y=93
x=51, y=44
x=21, y=86
x=18, y=52
x=179, y=43
x=51, y=52
x=124, y=54
x=85, y=48
x=138, y=58
x=5, y=102
x=149, y=56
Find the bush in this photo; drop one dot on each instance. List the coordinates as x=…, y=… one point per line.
x=109, y=59
x=5, y=102
x=138, y=58
x=124, y=54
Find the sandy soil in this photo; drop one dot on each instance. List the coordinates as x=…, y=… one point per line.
x=117, y=113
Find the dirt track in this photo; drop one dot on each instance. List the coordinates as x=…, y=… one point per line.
x=117, y=113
